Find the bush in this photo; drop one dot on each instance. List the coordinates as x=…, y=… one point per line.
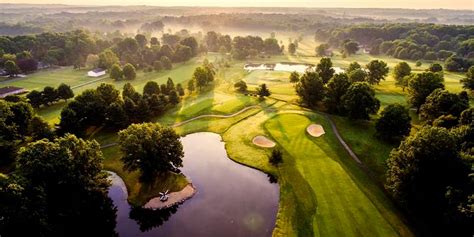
x=276, y=157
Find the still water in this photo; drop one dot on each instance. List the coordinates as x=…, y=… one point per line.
x=231, y=199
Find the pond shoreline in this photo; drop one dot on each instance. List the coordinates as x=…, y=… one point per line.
x=175, y=198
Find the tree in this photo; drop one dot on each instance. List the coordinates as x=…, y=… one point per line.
x=166, y=63
x=65, y=92
x=276, y=157
x=418, y=63
x=421, y=85
x=468, y=81
x=378, y=70
x=394, y=122
x=170, y=84
x=241, y=86
x=129, y=72
x=180, y=89
x=48, y=177
x=39, y=129
x=310, y=88
x=107, y=58
x=173, y=97
x=116, y=116
x=294, y=77
x=441, y=102
x=151, y=88
x=351, y=47
x=107, y=94
x=35, y=98
x=202, y=76
x=263, y=91
x=116, y=72
x=424, y=171
x=11, y=68
x=321, y=50
x=400, y=71
x=182, y=53
x=357, y=75
x=353, y=66
x=50, y=95
x=292, y=48
x=325, y=70
x=92, y=61
x=335, y=90
x=435, y=67
x=150, y=148
x=191, y=86
x=141, y=40
x=359, y=101
x=191, y=43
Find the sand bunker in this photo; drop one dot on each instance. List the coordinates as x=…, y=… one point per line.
x=173, y=199
x=315, y=130
x=262, y=141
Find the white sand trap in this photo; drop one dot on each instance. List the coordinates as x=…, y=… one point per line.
x=315, y=130
x=263, y=141
x=174, y=198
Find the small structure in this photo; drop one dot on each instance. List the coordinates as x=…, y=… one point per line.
x=98, y=72
x=10, y=90
x=164, y=196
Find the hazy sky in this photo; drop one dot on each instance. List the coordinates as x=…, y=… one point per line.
x=449, y=4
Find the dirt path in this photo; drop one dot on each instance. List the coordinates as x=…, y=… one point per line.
x=343, y=143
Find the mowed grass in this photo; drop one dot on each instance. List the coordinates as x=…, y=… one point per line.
x=343, y=207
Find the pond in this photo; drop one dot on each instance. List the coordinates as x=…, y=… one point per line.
x=231, y=199
x=285, y=67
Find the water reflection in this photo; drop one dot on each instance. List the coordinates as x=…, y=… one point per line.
x=231, y=199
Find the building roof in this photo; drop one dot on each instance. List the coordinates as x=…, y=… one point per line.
x=97, y=70
x=9, y=89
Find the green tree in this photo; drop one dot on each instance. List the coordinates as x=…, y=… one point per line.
x=335, y=90
x=116, y=116
x=310, y=88
x=116, y=72
x=353, y=66
x=191, y=86
x=150, y=148
x=180, y=89
x=442, y=102
x=170, y=84
x=108, y=94
x=421, y=85
x=394, y=122
x=378, y=70
x=50, y=95
x=435, y=67
x=39, y=129
x=422, y=174
x=357, y=75
x=151, y=88
x=400, y=71
x=263, y=91
x=129, y=72
x=359, y=101
x=107, y=58
x=166, y=63
x=49, y=175
x=65, y=92
x=158, y=66
x=325, y=70
x=141, y=40
x=35, y=98
x=468, y=81
x=11, y=68
x=241, y=86
x=173, y=97
x=294, y=77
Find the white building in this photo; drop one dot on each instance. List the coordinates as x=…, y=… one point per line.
x=98, y=72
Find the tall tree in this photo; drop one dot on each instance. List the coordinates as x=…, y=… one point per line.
x=310, y=88
x=400, y=72
x=421, y=85
x=150, y=148
x=360, y=101
x=11, y=68
x=151, y=88
x=442, y=102
x=394, y=122
x=335, y=90
x=129, y=72
x=468, y=81
x=263, y=91
x=65, y=92
x=325, y=70
x=378, y=70
x=294, y=77
x=292, y=48
x=116, y=72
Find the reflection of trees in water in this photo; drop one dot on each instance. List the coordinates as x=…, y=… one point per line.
x=148, y=219
x=272, y=179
